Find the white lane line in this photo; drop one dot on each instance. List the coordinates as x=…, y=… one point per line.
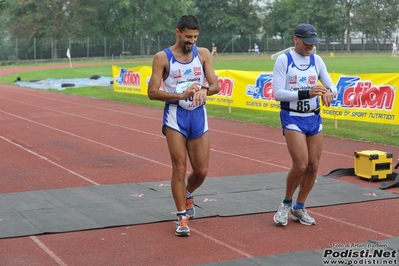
x=251, y=159
x=351, y=224
x=84, y=105
x=274, y=142
x=338, y=154
x=229, y=133
x=90, y=119
x=161, y=136
x=221, y=243
x=49, y=161
x=143, y=132
x=48, y=251
x=86, y=139
x=249, y=137
x=150, y=117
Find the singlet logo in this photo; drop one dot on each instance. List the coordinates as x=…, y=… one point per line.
x=197, y=71
x=188, y=72
x=292, y=79
x=303, y=79
x=312, y=80
x=176, y=74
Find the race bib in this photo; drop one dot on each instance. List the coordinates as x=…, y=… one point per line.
x=186, y=103
x=305, y=105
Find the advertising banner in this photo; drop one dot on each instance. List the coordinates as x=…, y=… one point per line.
x=131, y=80
x=361, y=97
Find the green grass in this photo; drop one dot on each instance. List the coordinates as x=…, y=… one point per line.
x=342, y=63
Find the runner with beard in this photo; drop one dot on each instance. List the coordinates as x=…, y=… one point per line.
x=187, y=75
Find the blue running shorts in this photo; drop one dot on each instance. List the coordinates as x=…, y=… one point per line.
x=308, y=124
x=191, y=123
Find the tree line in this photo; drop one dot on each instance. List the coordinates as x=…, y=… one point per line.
x=132, y=19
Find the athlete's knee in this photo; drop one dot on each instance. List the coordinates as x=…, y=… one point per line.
x=201, y=173
x=314, y=162
x=300, y=167
x=179, y=169
x=313, y=167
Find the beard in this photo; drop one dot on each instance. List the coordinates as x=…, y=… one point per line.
x=187, y=50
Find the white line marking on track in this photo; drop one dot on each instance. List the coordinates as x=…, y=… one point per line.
x=48, y=160
x=251, y=159
x=351, y=224
x=135, y=155
x=338, y=154
x=86, y=139
x=84, y=105
x=156, y=135
x=221, y=243
x=249, y=137
x=48, y=251
x=150, y=117
x=91, y=119
x=274, y=142
x=144, y=132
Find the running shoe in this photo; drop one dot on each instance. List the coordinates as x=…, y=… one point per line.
x=281, y=216
x=302, y=216
x=182, y=228
x=190, y=209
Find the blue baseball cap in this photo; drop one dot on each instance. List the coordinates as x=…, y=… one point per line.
x=307, y=33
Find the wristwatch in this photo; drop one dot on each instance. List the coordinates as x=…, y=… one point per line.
x=205, y=87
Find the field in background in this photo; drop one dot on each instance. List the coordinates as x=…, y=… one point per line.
x=348, y=63
x=351, y=63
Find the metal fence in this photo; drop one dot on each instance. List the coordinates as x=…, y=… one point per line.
x=51, y=49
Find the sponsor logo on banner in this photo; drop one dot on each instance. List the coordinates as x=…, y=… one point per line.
x=263, y=88
x=356, y=93
x=128, y=78
x=226, y=86
x=225, y=95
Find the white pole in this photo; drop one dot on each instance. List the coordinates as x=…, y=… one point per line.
x=68, y=54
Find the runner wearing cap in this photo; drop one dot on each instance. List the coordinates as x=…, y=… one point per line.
x=295, y=85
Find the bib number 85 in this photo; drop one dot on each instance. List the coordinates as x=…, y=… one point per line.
x=303, y=106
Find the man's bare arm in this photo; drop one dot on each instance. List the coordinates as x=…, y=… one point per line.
x=210, y=75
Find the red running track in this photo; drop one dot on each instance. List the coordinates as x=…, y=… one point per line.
x=51, y=140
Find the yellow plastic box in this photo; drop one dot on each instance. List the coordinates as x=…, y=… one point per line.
x=373, y=164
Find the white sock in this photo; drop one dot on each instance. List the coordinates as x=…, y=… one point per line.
x=181, y=212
